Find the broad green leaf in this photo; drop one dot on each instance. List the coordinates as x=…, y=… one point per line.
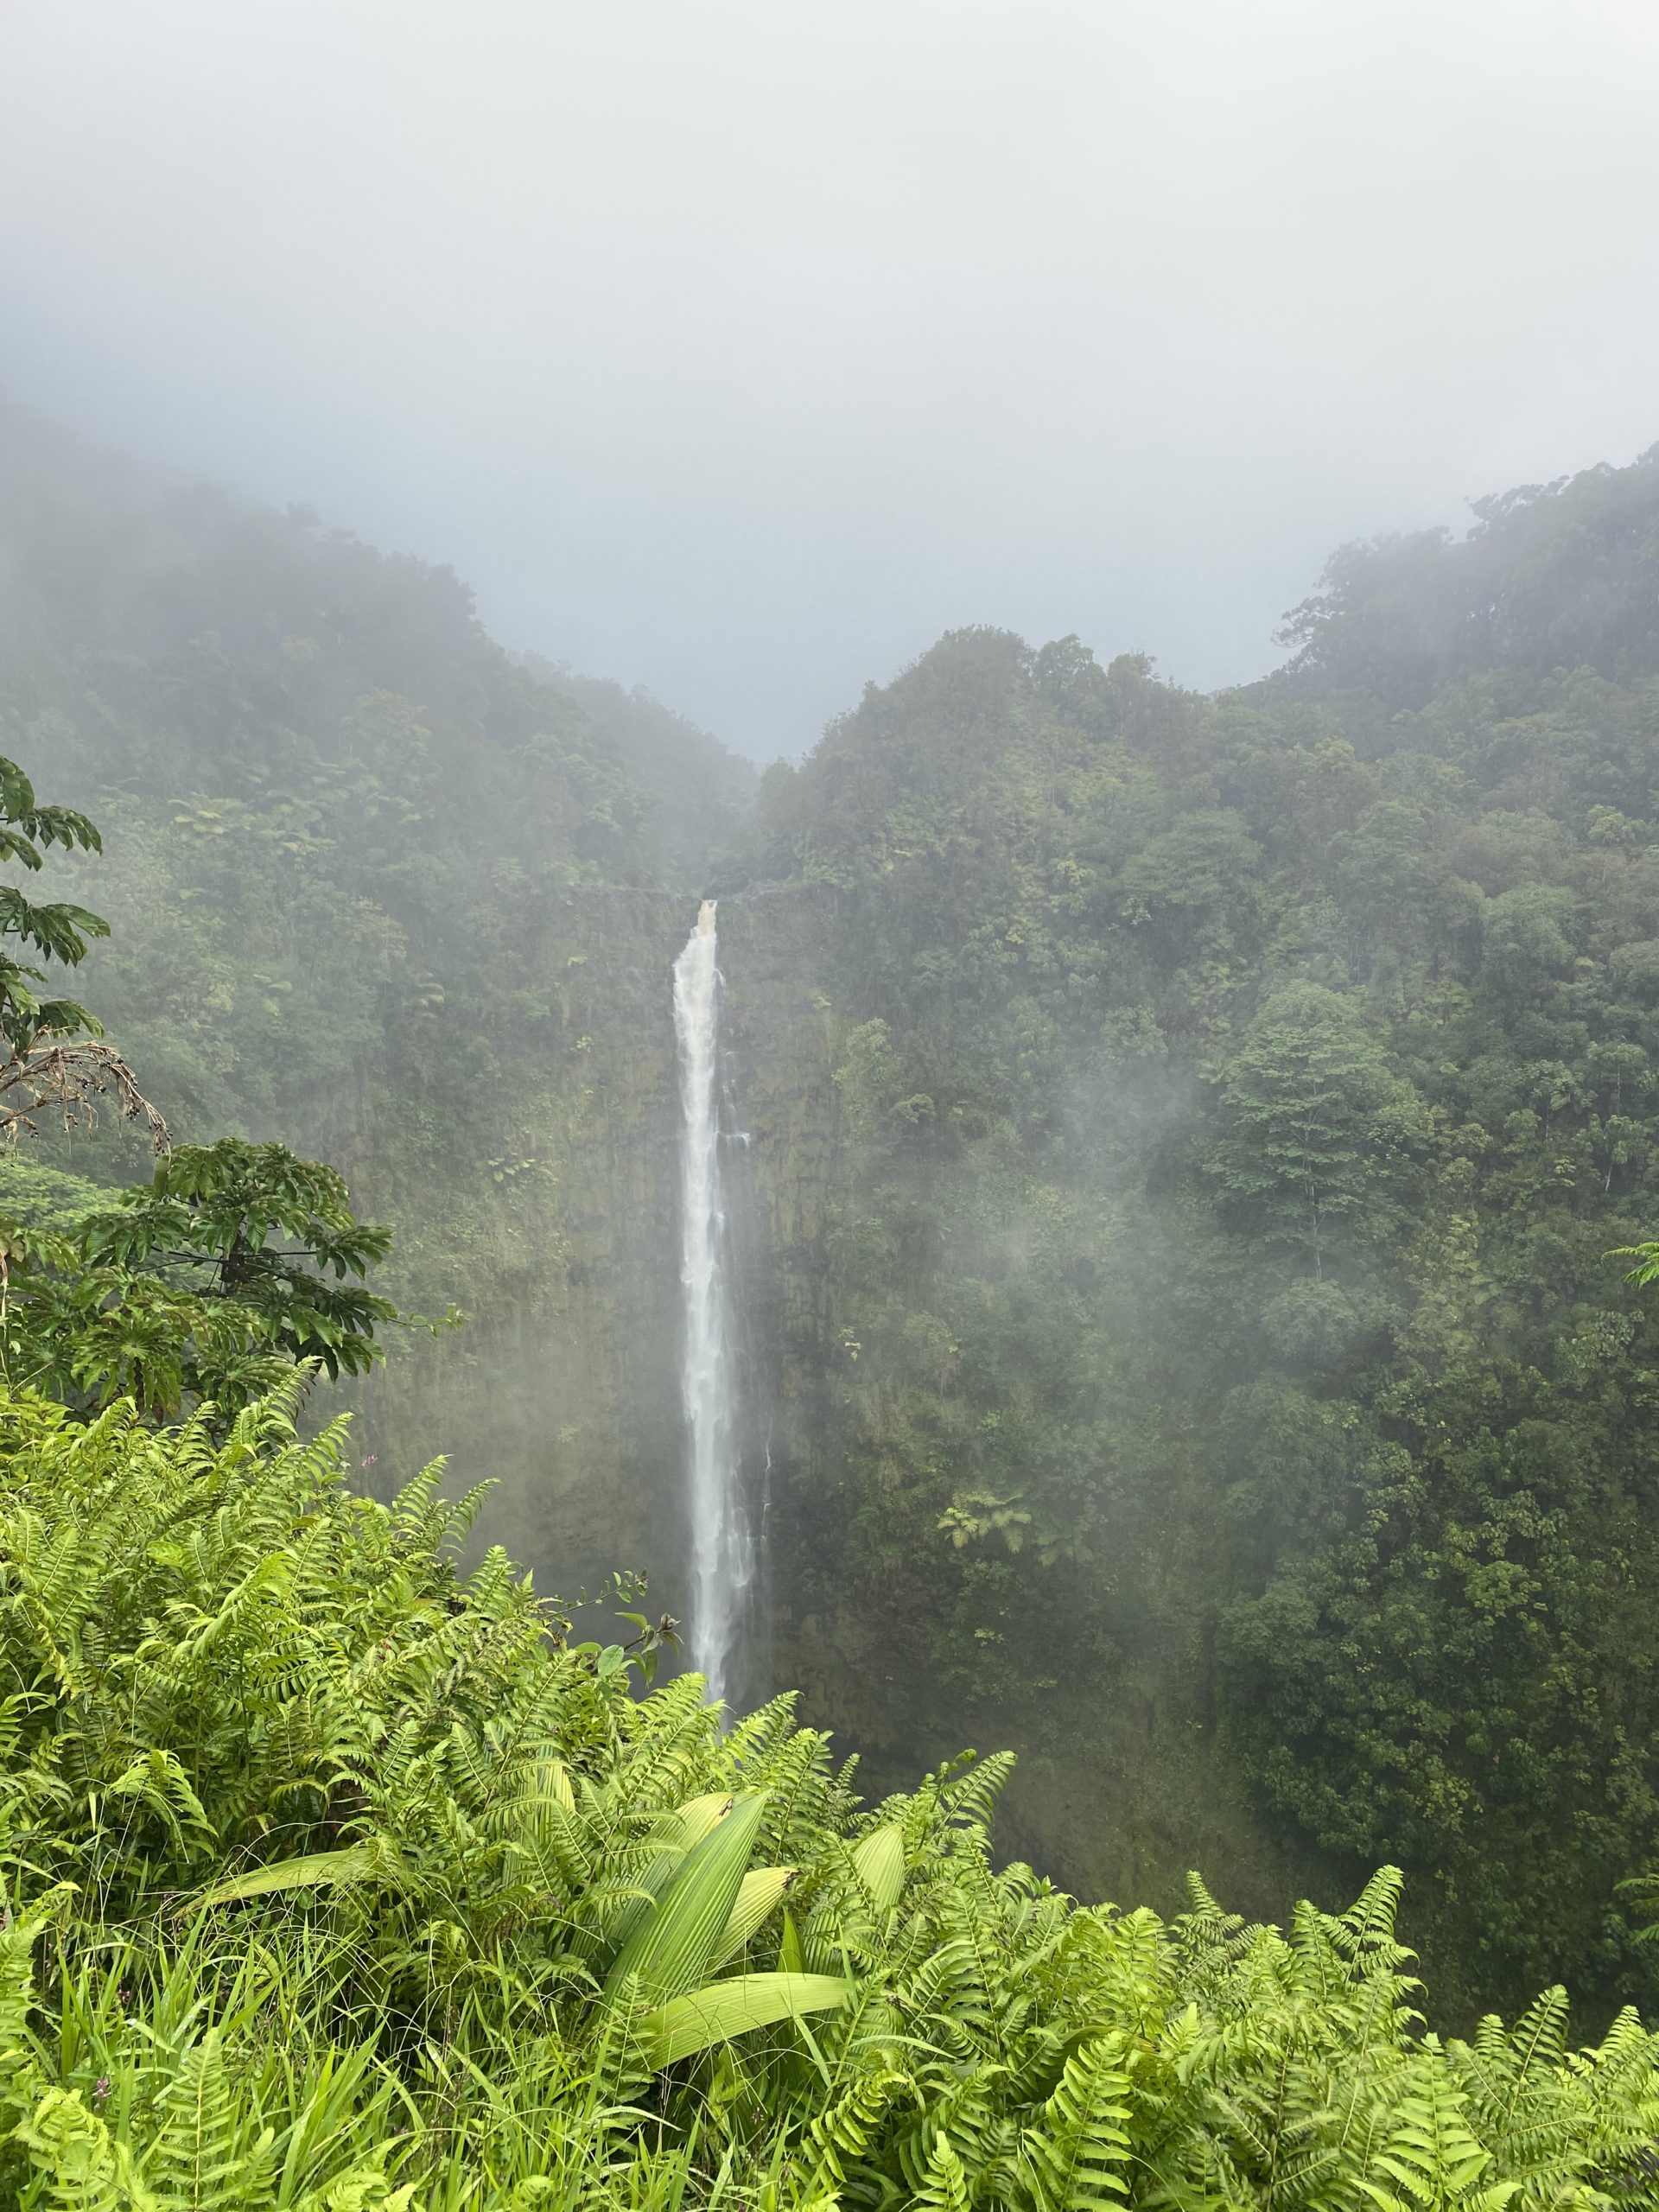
x=879, y=1863
x=790, y=1957
x=757, y=1894
x=649, y=1883
x=321, y=1870
x=725, y=2010
x=698, y=1815
x=669, y=1949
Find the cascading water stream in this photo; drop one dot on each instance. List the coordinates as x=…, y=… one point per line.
x=722, y=1551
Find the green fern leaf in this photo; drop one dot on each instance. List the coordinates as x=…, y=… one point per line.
x=1076, y=2155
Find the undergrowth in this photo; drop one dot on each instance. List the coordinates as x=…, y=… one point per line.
x=338, y=1882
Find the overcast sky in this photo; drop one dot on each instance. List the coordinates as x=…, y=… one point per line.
x=738, y=347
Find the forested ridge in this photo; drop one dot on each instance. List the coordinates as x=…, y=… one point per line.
x=354, y=856
x=1200, y=1353
x=1246, y=1094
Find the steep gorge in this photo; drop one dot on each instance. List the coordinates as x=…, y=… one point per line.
x=1185, y=1138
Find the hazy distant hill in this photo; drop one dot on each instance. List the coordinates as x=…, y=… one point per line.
x=180, y=633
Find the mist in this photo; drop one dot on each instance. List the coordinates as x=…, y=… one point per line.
x=738, y=350
x=829, y=1105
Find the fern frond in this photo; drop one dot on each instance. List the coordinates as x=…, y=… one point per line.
x=1076, y=2157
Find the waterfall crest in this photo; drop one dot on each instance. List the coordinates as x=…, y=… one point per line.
x=721, y=1552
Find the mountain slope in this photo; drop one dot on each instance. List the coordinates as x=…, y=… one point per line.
x=379, y=889
x=1222, y=1380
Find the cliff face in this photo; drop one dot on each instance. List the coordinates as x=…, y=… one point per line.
x=561, y=1392
x=564, y=1392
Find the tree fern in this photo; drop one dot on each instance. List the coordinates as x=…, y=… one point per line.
x=1431, y=2153
x=839, y=2132
x=78, y=2166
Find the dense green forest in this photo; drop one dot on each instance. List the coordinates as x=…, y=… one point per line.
x=1190, y=1134
x=362, y=869
x=334, y=1880
x=1242, y=1098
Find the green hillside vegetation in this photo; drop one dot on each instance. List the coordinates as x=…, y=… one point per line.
x=334, y=1880
x=334, y=810
x=1224, y=1373
x=1190, y=1135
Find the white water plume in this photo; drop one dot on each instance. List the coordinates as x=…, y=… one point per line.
x=721, y=1552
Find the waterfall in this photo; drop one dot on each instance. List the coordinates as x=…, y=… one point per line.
x=721, y=1553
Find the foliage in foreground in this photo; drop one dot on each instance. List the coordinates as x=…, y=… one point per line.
x=336, y=1880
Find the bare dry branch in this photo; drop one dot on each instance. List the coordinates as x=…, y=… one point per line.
x=68, y=1081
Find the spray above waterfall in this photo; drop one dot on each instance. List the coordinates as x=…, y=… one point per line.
x=721, y=1548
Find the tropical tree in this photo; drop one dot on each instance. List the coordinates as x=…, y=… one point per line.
x=1302, y=1093
x=235, y=1261
x=52, y=1054
x=206, y=1283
